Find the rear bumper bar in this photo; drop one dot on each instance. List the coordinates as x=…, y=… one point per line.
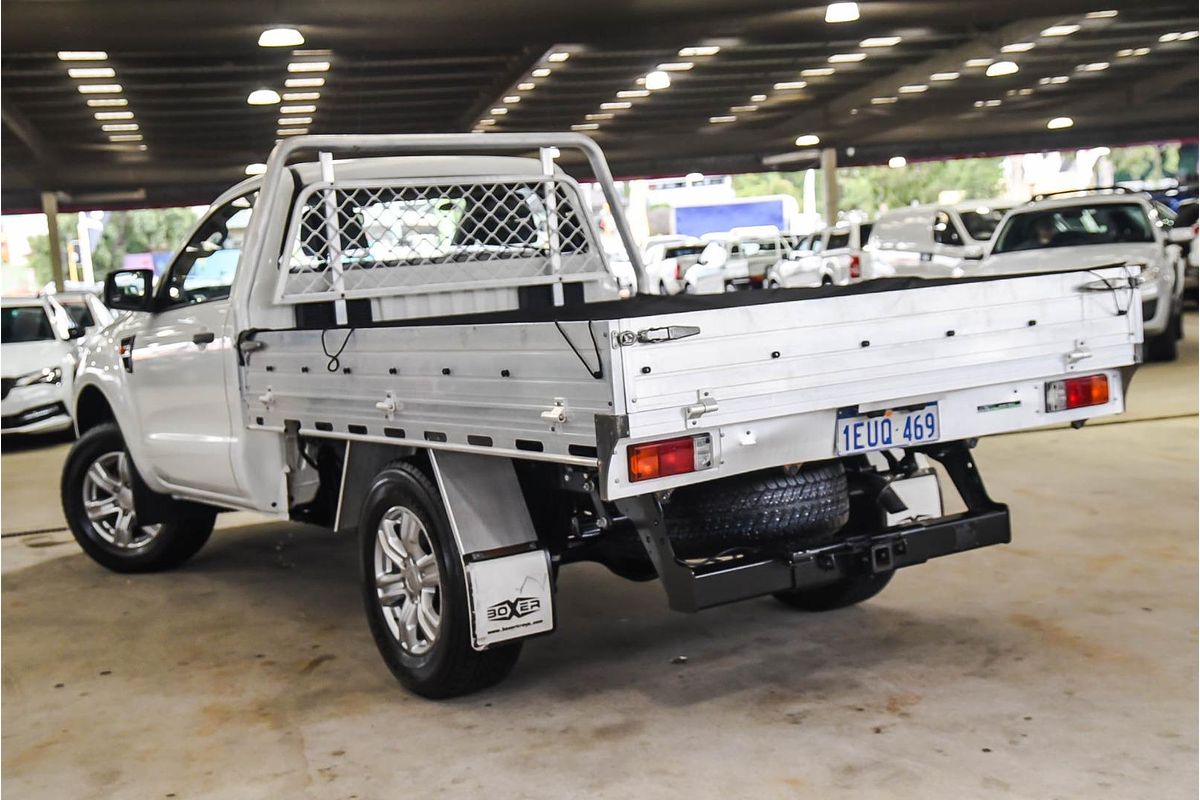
x=893, y=549
x=692, y=587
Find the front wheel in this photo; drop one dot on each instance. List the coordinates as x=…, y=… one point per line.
x=846, y=592
x=415, y=591
x=97, y=498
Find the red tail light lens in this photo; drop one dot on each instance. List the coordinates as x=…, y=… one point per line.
x=855, y=267
x=1088, y=390
x=678, y=271
x=670, y=457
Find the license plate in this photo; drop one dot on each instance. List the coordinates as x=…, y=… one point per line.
x=862, y=433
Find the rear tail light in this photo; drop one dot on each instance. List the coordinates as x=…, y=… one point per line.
x=1088, y=390
x=670, y=457
x=855, y=267
x=678, y=271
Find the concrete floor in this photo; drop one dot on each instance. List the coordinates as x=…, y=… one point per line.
x=1061, y=666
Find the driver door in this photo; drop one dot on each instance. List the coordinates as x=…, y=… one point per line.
x=183, y=360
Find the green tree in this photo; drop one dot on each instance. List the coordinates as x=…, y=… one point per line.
x=869, y=189
x=142, y=231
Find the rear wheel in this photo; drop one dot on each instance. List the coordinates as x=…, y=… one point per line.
x=97, y=498
x=415, y=593
x=1165, y=346
x=846, y=592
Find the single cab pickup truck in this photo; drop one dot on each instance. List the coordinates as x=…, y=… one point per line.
x=421, y=343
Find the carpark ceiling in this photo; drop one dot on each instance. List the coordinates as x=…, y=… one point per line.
x=186, y=69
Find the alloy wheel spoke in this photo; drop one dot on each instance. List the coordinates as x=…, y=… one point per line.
x=101, y=508
x=391, y=589
x=389, y=542
x=102, y=479
x=428, y=616
x=410, y=529
x=427, y=568
x=408, y=625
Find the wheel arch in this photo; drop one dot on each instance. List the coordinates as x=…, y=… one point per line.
x=92, y=408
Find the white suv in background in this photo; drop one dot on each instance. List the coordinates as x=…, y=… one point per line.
x=933, y=241
x=37, y=364
x=1093, y=229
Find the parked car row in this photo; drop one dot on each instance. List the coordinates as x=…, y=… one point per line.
x=1059, y=232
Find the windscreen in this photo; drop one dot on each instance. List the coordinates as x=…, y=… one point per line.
x=81, y=315
x=1073, y=226
x=25, y=324
x=981, y=223
x=692, y=250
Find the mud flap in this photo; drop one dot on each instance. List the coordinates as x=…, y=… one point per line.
x=507, y=570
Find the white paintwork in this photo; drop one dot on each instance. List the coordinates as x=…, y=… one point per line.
x=822, y=259
x=731, y=261
x=665, y=267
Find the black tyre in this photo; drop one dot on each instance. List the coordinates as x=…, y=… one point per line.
x=415, y=592
x=97, y=498
x=846, y=592
x=771, y=508
x=1164, y=346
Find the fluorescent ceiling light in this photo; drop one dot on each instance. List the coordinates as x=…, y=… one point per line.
x=976, y=63
x=841, y=12
x=896, y=162
x=263, y=97
x=280, y=37
x=1170, y=37
x=308, y=66
x=105, y=115
x=294, y=121
x=1055, y=80
x=100, y=88
x=1188, y=35
x=1025, y=92
x=82, y=55
x=1102, y=14
x=784, y=86
x=757, y=98
x=118, y=127
x=743, y=109
x=1001, y=68
x=526, y=87
x=107, y=102
x=817, y=72
x=541, y=72
x=987, y=103
x=498, y=111
x=914, y=88
x=585, y=126
x=302, y=109
x=846, y=58
x=944, y=76
x=616, y=105
x=92, y=72
x=511, y=98
x=125, y=137
x=807, y=140
x=1060, y=122
x=633, y=93
x=601, y=115
x=880, y=41
x=722, y=119
x=883, y=101
x=676, y=66
x=1095, y=66
x=1060, y=30
x=1018, y=47
x=488, y=121
x=658, y=79
x=290, y=131
x=304, y=83
x=291, y=97
x=256, y=169
x=699, y=50
x=558, y=56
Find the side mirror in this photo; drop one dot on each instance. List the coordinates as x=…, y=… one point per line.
x=1179, y=235
x=973, y=253
x=76, y=332
x=129, y=290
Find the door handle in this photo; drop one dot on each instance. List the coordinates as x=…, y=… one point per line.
x=203, y=337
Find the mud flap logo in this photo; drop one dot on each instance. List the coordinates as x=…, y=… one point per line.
x=514, y=609
x=510, y=598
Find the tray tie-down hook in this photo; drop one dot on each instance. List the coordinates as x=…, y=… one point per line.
x=389, y=405
x=557, y=413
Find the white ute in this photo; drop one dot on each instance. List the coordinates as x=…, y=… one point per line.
x=427, y=351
